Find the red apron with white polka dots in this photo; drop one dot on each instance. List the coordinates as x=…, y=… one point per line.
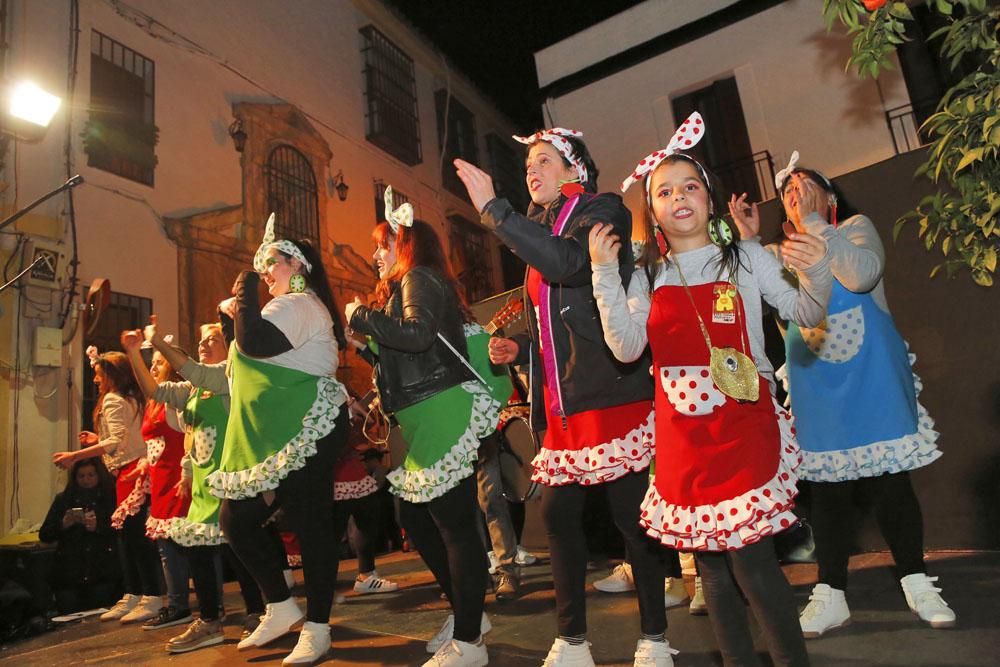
x=164, y=450
x=724, y=468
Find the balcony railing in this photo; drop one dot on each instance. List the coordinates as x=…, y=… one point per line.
x=904, y=125
x=753, y=174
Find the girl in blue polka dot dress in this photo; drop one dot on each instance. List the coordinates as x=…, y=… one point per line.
x=854, y=398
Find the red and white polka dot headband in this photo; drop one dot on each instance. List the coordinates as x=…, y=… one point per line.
x=555, y=136
x=687, y=135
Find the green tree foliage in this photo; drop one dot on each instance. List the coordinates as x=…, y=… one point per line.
x=962, y=219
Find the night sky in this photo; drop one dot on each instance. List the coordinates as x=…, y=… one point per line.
x=493, y=43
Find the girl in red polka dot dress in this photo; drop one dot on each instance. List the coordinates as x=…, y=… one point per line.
x=725, y=450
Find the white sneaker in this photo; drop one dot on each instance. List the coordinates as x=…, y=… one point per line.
x=619, y=581
x=674, y=593
x=827, y=610
x=494, y=562
x=922, y=596
x=373, y=584
x=122, y=607
x=455, y=653
x=314, y=642
x=148, y=607
x=525, y=557
x=278, y=620
x=564, y=654
x=447, y=631
x=654, y=654
x=289, y=578
x=698, y=606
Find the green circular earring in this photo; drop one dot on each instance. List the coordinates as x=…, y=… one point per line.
x=719, y=232
x=297, y=283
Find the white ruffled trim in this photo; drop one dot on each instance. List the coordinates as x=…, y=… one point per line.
x=426, y=484
x=598, y=464
x=160, y=528
x=191, y=533
x=356, y=489
x=736, y=522
x=317, y=423
x=908, y=452
x=132, y=504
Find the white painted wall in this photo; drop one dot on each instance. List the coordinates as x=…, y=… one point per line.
x=790, y=73
x=208, y=55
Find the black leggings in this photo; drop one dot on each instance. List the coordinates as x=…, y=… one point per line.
x=201, y=560
x=366, y=513
x=754, y=570
x=834, y=521
x=562, y=511
x=140, y=560
x=306, y=496
x=444, y=532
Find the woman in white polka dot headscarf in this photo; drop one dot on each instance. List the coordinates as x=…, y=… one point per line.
x=854, y=397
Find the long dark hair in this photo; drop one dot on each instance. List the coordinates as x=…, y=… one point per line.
x=418, y=245
x=582, y=153
x=844, y=208
x=318, y=282
x=118, y=378
x=731, y=259
x=105, y=482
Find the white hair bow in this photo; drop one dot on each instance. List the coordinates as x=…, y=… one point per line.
x=780, y=177
x=687, y=135
x=287, y=247
x=556, y=137
x=402, y=216
x=93, y=355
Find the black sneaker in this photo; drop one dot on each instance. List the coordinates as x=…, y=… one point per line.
x=168, y=617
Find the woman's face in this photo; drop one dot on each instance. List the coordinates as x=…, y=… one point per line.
x=160, y=368
x=212, y=347
x=681, y=205
x=86, y=477
x=279, y=271
x=545, y=171
x=792, y=196
x=99, y=378
x=385, y=258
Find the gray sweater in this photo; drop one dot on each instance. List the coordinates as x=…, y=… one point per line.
x=761, y=276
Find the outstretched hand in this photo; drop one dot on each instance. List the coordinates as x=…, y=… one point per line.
x=131, y=340
x=802, y=251
x=478, y=183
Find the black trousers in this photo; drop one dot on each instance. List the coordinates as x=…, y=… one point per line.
x=367, y=516
x=201, y=561
x=754, y=570
x=140, y=560
x=306, y=496
x=834, y=520
x=562, y=511
x=444, y=532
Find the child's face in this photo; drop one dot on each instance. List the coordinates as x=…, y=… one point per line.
x=680, y=203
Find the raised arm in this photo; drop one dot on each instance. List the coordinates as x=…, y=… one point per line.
x=805, y=305
x=857, y=257
x=623, y=316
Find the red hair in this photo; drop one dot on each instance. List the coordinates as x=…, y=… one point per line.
x=418, y=245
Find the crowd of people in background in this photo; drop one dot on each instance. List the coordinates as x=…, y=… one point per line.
x=647, y=380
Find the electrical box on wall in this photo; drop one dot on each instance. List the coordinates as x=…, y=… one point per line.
x=51, y=267
x=48, y=347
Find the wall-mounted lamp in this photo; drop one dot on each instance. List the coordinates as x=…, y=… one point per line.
x=238, y=135
x=340, y=186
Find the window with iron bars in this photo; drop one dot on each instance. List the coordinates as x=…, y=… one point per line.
x=456, y=126
x=398, y=199
x=120, y=135
x=470, y=258
x=291, y=194
x=391, y=120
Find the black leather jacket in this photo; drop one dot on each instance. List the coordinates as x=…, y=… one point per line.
x=589, y=375
x=413, y=363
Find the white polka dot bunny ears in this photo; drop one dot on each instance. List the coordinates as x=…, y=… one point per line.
x=400, y=217
x=556, y=137
x=687, y=135
x=285, y=246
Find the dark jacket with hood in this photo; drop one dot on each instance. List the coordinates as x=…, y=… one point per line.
x=589, y=375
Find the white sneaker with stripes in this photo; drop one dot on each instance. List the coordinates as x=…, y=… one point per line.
x=372, y=583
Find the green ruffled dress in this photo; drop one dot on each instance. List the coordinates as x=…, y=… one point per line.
x=276, y=416
x=443, y=431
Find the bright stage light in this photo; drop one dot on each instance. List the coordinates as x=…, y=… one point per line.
x=31, y=103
